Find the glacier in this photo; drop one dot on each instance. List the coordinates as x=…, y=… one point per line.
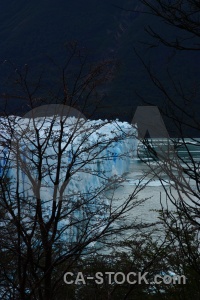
x=93, y=156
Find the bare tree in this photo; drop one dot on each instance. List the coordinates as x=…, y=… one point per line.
x=182, y=16
x=176, y=163
x=58, y=168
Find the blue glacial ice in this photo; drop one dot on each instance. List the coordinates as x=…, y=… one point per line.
x=95, y=154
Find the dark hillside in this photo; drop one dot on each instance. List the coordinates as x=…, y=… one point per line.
x=30, y=31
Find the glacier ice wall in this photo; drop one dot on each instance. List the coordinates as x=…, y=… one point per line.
x=73, y=161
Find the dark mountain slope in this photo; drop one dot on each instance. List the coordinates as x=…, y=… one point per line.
x=29, y=29
x=32, y=30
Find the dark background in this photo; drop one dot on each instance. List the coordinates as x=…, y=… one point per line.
x=33, y=31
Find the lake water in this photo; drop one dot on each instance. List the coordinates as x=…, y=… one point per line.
x=152, y=189
x=140, y=178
